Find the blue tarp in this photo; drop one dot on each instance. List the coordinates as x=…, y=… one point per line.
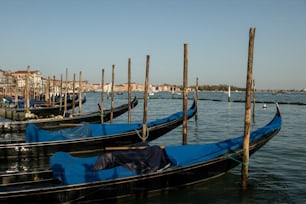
x=35, y=134
x=72, y=170
x=80, y=170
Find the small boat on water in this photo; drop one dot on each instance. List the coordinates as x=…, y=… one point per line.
x=114, y=175
x=19, y=114
x=88, y=138
x=62, y=122
x=37, y=102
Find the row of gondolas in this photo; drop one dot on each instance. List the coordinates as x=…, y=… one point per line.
x=109, y=161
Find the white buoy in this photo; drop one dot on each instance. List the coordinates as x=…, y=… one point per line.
x=229, y=94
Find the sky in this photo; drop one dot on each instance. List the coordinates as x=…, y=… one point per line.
x=90, y=35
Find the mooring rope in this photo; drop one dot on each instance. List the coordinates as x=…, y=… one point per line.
x=147, y=136
x=236, y=160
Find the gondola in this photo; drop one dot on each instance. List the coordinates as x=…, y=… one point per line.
x=19, y=114
x=40, y=111
x=38, y=102
x=88, y=138
x=59, y=122
x=88, y=180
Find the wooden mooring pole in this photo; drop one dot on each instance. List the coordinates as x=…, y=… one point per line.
x=73, y=94
x=48, y=93
x=66, y=92
x=61, y=93
x=197, y=97
x=185, y=94
x=112, y=95
x=247, y=119
x=80, y=92
x=254, y=102
x=26, y=102
x=53, y=91
x=129, y=90
x=145, y=101
x=102, y=98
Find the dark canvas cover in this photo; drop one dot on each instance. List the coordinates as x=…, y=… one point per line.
x=143, y=160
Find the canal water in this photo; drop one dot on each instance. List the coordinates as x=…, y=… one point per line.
x=276, y=172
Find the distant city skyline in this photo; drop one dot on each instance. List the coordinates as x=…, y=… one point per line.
x=86, y=36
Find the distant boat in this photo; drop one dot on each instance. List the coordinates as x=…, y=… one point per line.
x=19, y=114
x=151, y=91
x=62, y=122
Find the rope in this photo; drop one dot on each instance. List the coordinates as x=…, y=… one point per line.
x=236, y=160
x=141, y=136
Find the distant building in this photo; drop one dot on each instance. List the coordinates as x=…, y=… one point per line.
x=35, y=79
x=7, y=82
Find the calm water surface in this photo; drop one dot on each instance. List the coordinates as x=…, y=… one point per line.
x=276, y=172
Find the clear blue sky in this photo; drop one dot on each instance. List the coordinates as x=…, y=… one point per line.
x=88, y=35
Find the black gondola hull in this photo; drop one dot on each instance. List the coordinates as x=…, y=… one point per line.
x=136, y=187
x=85, y=147
x=94, y=117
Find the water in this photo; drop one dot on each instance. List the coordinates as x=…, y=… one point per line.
x=276, y=172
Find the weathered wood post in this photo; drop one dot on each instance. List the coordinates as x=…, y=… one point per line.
x=129, y=90
x=197, y=97
x=80, y=92
x=66, y=92
x=53, y=90
x=48, y=98
x=185, y=93
x=26, y=102
x=112, y=95
x=16, y=94
x=102, y=98
x=254, y=101
x=145, y=101
x=61, y=93
x=73, y=94
x=246, y=140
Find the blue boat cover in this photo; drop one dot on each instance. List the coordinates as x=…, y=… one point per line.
x=192, y=154
x=72, y=170
x=75, y=170
x=36, y=134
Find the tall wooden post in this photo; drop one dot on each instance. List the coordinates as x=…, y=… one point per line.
x=80, y=92
x=26, y=102
x=61, y=93
x=129, y=90
x=16, y=94
x=112, y=103
x=254, y=101
x=246, y=140
x=48, y=98
x=145, y=101
x=185, y=94
x=73, y=94
x=53, y=91
x=66, y=92
x=102, y=98
x=197, y=97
